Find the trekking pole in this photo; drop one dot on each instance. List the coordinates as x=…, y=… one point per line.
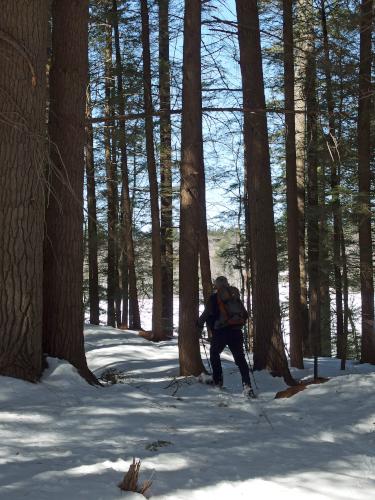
x=205, y=352
x=251, y=369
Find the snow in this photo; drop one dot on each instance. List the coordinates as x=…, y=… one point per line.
x=63, y=439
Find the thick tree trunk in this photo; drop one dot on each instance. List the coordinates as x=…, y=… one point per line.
x=92, y=222
x=295, y=303
x=129, y=278
x=269, y=348
x=63, y=250
x=111, y=181
x=300, y=130
x=190, y=212
x=23, y=39
x=364, y=173
x=157, y=294
x=166, y=222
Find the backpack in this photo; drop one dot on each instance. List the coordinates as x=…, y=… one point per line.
x=232, y=310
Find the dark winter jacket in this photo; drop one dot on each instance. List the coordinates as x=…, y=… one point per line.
x=211, y=313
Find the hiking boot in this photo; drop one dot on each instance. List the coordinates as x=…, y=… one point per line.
x=248, y=391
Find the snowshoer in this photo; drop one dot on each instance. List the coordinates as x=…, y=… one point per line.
x=225, y=315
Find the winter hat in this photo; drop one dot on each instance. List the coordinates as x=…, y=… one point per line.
x=221, y=281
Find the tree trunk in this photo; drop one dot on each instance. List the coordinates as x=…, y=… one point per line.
x=269, y=348
x=300, y=130
x=111, y=180
x=313, y=239
x=166, y=222
x=295, y=303
x=332, y=143
x=190, y=212
x=325, y=346
x=22, y=154
x=346, y=300
x=204, y=253
x=248, y=267
x=63, y=250
x=92, y=222
x=157, y=326
x=364, y=174
x=129, y=279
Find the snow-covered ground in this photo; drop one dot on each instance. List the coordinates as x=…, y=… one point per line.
x=63, y=439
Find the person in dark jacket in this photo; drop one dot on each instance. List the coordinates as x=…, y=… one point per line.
x=223, y=336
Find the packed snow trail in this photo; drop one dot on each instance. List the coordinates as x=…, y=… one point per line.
x=64, y=439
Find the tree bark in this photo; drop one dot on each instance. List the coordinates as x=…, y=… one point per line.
x=325, y=346
x=295, y=303
x=268, y=349
x=204, y=253
x=157, y=294
x=23, y=40
x=364, y=180
x=332, y=145
x=313, y=236
x=166, y=222
x=92, y=222
x=63, y=250
x=111, y=179
x=300, y=131
x=190, y=212
x=129, y=278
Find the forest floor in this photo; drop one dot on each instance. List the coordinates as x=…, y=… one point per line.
x=63, y=439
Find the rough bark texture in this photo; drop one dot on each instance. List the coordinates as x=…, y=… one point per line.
x=92, y=222
x=130, y=317
x=300, y=130
x=268, y=349
x=23, y=43
x=364, y=172
x=63, y=257
x=295, y=304
x=157, y=297
x=188, y=339
x=165, y=169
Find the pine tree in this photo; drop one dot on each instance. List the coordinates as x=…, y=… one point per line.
x=166, y=222
x=22, y=154
x=268, y=343
x=190, y=213
x=364, y=174
x=295, y=305
x=63, y=249
x=92, y=219
x=127, y=262
x=157, y=295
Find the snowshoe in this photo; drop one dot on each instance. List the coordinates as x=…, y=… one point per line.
x=248, y=391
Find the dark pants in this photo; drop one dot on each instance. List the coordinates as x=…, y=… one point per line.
x=234, y=340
